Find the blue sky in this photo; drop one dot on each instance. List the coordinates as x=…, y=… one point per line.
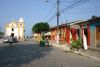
x=34, y=11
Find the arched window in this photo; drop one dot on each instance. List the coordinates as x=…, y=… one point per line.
x=20, y=24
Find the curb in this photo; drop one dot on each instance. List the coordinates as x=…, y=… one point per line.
x=83, y=54
x=94, y=49
x=77, y=52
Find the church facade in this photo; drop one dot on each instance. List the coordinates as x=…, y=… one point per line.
x=15, y=29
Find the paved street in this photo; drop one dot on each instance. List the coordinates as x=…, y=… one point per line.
x=29, y=54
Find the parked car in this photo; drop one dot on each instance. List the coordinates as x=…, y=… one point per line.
x=5, y=40
x=10, y=39
x=1, y=40
x=15, y=40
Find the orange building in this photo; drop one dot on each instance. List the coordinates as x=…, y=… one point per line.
x=62, y=33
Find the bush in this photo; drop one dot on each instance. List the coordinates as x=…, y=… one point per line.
x=77, y=44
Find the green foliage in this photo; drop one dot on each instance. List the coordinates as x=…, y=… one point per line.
x=40, y=27
x=43, y=37
x=76, y=43
x=94, y=17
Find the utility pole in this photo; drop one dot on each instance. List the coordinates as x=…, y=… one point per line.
x=57, y=14
x=58, y=22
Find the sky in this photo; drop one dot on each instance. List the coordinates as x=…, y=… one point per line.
x=34, y=11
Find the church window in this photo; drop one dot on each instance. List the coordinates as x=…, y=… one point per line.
x=12, y=29
x=20, y=24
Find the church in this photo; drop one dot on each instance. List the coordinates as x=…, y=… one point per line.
x=15, y=29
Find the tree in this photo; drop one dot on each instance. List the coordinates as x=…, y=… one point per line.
x=40, y=27
x=94, y=17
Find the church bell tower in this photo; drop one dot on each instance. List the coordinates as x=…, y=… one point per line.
x=21, y=29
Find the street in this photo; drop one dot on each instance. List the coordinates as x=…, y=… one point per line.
x=30, y=54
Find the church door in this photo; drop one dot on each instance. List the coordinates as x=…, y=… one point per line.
x=12, y=34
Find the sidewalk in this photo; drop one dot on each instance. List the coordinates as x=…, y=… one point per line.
x=88, y=53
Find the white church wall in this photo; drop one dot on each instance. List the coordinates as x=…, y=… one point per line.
x=8, y=31
x=16, y=32
x=21, y=32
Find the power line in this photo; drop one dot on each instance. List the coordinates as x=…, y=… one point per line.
x=64, y=1
x=50, y=11
x=67, y=8
x=85, y=11
x=73, y=5
x=61, y=11
x=51, y=18
x=70, y=6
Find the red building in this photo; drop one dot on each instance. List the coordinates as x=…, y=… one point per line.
x=74, y=30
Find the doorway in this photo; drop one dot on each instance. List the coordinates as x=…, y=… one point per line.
x=12, y=34
x=85, y=32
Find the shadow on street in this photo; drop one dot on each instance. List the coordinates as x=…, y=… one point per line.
x=21, y=54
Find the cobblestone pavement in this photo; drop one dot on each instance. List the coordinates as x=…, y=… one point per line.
x=29, y=54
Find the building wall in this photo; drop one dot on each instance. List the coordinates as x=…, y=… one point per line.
x=62, y=36
x=16, y=32
x=92, y=36
x=7, y=31
x=98, y=36
x=53, y=34
x=21, y=33
x=93, y=32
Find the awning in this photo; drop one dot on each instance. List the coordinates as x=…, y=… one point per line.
x=48, y=33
